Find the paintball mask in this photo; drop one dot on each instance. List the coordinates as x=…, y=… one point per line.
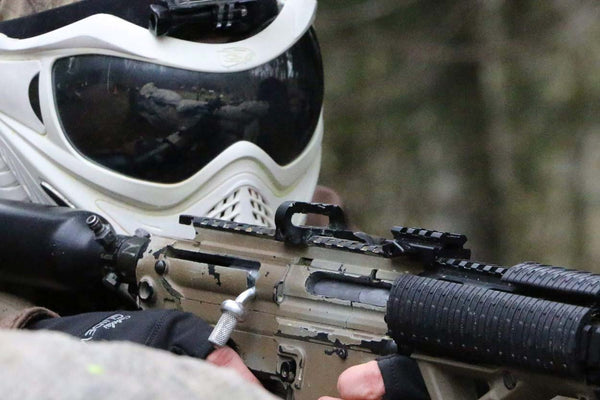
x=215, y=110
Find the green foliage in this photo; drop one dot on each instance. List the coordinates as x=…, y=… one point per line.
x=478, y=117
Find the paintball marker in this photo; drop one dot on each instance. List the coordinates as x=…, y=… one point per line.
x=313, y=301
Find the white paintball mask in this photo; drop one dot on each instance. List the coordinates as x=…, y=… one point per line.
x=100, y=113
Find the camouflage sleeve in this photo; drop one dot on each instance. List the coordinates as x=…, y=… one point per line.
x=20, y=320
x=10, y=9
x=16, y=313
x=50, y=365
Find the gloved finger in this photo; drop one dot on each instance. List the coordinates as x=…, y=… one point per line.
x=227, y=357
x=402, y=378
x=361, y=382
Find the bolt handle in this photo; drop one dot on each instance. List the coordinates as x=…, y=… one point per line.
x=233, y=311
x=223, y=329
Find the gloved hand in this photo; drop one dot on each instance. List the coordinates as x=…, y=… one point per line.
x=175, y=331
x=393, y=377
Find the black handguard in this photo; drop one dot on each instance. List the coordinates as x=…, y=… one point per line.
x=537, y=317
x=175, y=331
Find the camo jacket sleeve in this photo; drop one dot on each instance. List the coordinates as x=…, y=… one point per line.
x=10, y=9
x=16, y=313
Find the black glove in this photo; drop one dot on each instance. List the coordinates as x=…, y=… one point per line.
x=176, y=331
x=402, y=378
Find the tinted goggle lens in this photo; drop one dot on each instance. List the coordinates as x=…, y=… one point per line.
x=164, y=124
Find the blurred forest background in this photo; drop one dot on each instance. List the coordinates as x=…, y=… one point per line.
x=476, y=117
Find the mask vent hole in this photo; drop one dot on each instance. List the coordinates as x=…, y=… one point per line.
x=261, y=211
x=245, y=204
x=34, y=96
x=56, y=196
x=225, y=208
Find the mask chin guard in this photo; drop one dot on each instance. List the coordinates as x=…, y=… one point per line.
x=211, y=16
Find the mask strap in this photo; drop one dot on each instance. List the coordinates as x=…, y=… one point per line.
x=134, y=11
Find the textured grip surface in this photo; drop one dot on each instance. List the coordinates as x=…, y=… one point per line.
x=223, y=329
x=560, y=280
x=485, y=326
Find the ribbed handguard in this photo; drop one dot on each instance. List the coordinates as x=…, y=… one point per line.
x=476, y=324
